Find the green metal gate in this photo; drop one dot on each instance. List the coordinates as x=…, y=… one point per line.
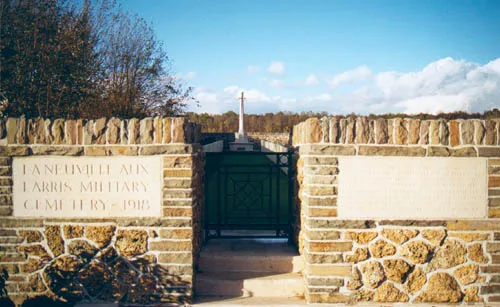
x=248, y=191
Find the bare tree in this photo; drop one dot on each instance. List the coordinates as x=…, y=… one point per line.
x=89, y=58
x=135, y=75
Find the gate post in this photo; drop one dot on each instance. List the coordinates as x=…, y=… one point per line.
x=123, y=219
x=445, y=251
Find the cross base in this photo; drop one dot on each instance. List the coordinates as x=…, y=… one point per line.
x=240, y=137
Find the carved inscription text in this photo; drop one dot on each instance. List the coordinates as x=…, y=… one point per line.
x=87, y=186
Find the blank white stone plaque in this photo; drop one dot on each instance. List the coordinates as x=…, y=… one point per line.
x=46, y=186
x=412, y=188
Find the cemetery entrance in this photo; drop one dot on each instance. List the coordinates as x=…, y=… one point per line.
x=248, y=194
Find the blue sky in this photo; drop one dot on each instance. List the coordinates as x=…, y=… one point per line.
x=335, y=56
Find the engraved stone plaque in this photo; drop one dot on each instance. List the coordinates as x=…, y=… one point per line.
x=412, y=188
x=83, y=187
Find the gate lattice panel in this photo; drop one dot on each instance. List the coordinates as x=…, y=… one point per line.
x=248, y=191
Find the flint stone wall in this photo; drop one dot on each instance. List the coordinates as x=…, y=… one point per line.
x=126, y=260
x=388, y=261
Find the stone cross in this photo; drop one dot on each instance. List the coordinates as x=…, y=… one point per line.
x=241, y=129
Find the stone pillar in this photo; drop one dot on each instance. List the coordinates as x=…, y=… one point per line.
x=394, y=261
x=134, y=260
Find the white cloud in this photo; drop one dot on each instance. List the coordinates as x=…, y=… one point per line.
x=323, y=97
x=277, y=83
x=207, y=102
x=233, y=89
x=277, y=68
x=201, y=89
x=187, y=76
x=445, y=85
x=311, y=80
x=190, y=75
x=206, y=97
x=233, y=92
x=351, y=76
x=253, y=69
x=254, y=95
x=227, y=99
x=435, y=104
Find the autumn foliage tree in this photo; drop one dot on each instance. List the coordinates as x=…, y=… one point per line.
x=63, y=58
x=46, y=58
x=283, y=122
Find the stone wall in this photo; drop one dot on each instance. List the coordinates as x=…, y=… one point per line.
x=104, y=131
x=386, y=261
x=217, y=146
x=429, y=134
x=127, y=260
x=273, y=147
x=278, y=138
